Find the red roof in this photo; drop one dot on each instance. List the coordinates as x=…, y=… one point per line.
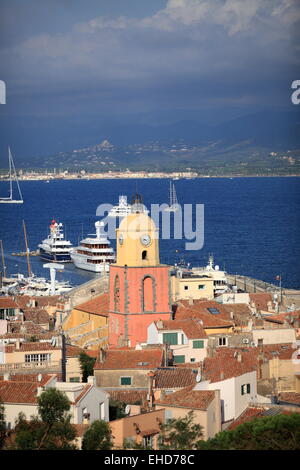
x=131, y=359
x=290, y=397
x=261, y=300
x=225, y=366
x=190, y=326
x=188, y=398
x=171, y=378
x=18, y=392
x=28, y=347
x=7, y=302
x=97, y=306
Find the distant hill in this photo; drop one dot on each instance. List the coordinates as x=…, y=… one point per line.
x=75, y=144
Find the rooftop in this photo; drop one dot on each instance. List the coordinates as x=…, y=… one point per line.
x=189, y=398
x=131, y=359
x=97, y=306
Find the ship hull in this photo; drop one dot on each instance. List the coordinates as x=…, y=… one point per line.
x=54, y=257
x=81, y=263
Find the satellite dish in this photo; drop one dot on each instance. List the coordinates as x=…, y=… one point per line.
x=198, y=377
x=127, y=409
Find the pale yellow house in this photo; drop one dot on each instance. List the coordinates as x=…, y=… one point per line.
x=186, y=338
x=191, y=286
x=205, y=404
x=87, y=324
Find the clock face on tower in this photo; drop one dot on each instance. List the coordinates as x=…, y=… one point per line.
x=145, y=240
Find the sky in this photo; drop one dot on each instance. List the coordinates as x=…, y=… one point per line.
x=96, y=63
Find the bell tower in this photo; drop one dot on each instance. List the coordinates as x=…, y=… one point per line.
x=139, y=285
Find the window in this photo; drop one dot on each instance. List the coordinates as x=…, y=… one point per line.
x=186, y=287
x=222, y=341
x=245, y=389
x=213, y=311
x=198, y=344
x=74, y=379
x=201, y=286
x=170, y=338
x=148, y=441
x=125, y=381
x=179, y=359
x=144, y=254
x=37, y=357
x=192, y=359
x=102, y=410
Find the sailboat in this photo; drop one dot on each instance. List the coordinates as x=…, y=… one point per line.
x=173, y=206
x=12, y=175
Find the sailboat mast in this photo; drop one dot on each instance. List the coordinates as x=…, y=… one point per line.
x=3, y=261
x=10, y=179
x=16, y=178
x=27, y=250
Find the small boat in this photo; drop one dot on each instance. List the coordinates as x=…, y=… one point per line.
x=173, y=205
x=12, y=176
x=94, y=253
x=122, y=209
x=55, y=248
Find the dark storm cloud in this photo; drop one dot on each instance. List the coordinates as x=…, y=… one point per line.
x=188, y=53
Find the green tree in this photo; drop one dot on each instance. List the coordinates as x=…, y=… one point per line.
x=116, y=410
x=52, y=430
x=280, y=432
x=98, y=436
x=180, y=434
x=86, y=365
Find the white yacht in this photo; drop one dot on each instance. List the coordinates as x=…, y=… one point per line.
x=219, y=277
x=55, y=248
x=122, y=209
x=94, y=253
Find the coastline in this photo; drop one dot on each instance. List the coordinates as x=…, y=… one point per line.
x=125, y=176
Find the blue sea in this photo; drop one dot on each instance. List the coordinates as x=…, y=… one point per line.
x=251, y=225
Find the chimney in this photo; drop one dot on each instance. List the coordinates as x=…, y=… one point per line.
x=6, y=376
x=239, y=357
x=102, y=355
x=18, y=344
x=39, y=391
x=191, y=301
x=222, y=375
x=91, y=380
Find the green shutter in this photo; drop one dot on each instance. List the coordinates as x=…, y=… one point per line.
x=170, y=338
x=198, y=344
x=125, y=380
x=179, y=359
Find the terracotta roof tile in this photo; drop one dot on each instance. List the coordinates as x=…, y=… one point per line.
x=73, y=351
x=190, y=326
x=131, y=359
x=248, y=415
x=188, y=398
x=8, y=302
x=129, y=396
x=36, y=315
x=173, y=378
x=261, y=300
x=97, y=306
x=9, y=348
x=18, y=392
x=290, y=397
x=24, y=301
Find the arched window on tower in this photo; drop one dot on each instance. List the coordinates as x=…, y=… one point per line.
x=144, y=254
x=148, y=291
x=117, y=294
